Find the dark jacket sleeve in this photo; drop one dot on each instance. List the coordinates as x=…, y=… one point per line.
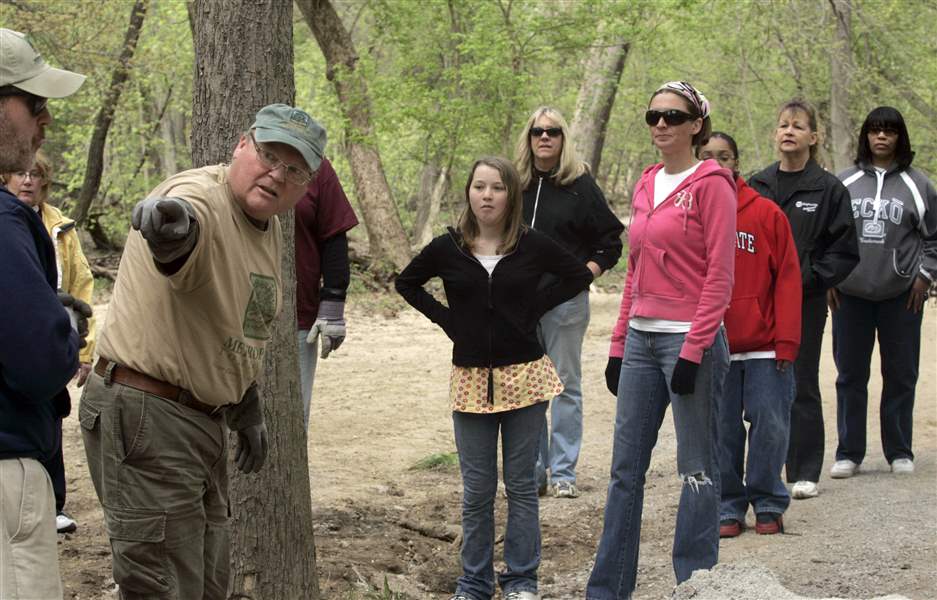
x=928, y=230
x=409, y=284
x=336, y=271
x=572, y=276
x=605, y=228
x=39, y=349
x=836, y=253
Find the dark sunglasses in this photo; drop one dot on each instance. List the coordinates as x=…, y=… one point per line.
x=671, y=117
x=550, y=131
x=37, y=104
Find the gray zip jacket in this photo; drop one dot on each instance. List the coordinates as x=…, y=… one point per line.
x=896, y=224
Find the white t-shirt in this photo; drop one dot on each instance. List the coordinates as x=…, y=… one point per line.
x=664, y=184
x=489, y=261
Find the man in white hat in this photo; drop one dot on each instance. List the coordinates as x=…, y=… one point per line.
x=39, y=341
x=194, y=304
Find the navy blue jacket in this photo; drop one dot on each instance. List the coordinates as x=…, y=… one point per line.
x=38, y=347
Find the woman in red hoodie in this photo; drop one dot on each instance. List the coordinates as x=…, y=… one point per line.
x=668, y=347
x=763, y=325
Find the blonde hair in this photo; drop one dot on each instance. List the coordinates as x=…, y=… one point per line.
x=570, y=167
x=796, y=105
x=514, y=223
x=40, y=163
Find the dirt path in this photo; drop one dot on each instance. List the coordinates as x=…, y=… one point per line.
x=380, y=406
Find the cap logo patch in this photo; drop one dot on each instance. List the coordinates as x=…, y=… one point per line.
x=299, y=119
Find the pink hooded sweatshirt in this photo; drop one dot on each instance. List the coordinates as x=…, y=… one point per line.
x=682, y=256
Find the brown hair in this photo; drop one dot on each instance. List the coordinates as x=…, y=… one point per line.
x=701, y=136
x=41, y=164
x=513, y=225
x=568, y=169
x=799, y=104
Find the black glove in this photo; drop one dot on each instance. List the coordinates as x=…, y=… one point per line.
x=168, y=225
x=613, y=374
x=78, y=312
x=683, y=380
x=252, y=448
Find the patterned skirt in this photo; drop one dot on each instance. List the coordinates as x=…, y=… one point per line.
x=484, y=390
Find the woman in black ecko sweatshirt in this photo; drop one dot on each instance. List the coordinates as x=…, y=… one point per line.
x=562, y=200
x=501, y=380
x=818, y=207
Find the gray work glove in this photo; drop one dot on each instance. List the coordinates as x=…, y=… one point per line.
x=78, y=313
x=330, y=323
x=168, y=225
x=247, y=419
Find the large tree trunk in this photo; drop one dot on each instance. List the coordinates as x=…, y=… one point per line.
x=596, y=98
x=385, y=231
x=244, y=61
x=102, y=123
x=843, y=138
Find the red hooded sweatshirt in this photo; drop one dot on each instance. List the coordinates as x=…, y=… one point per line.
x=680, y=258
x=764, y=314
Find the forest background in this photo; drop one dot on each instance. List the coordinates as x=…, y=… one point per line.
x=442, y=82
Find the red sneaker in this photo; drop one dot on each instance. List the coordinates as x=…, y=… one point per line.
x=769, y=523
x=729, y=528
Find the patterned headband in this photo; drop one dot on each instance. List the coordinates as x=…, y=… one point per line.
x=696, y=98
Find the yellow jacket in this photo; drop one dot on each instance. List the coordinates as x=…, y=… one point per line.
x=75, y=276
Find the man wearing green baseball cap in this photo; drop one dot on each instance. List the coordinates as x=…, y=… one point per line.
x=39, y=353
x=194, y=304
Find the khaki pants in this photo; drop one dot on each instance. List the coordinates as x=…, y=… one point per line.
x=160, y=472
x=29, y=559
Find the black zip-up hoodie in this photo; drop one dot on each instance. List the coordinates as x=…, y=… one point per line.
x=492, y=319
x=820, y=213
x=576, y=216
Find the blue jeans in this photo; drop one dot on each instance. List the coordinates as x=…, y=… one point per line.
x=758, y=393
x=476, y=438
x=561, y=332
x=308, y=357
x=643, y=396
x=899, y=340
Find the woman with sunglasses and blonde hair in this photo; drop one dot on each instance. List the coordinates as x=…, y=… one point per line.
x=74, y=277
x=668, y=346
x=562, y=200
x=500, y=380
x=818, y=208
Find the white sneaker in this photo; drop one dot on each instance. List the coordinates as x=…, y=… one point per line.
x=804, y=489
x=843, y=469
x=522, y=596
x=902, y=466
x=64, y=523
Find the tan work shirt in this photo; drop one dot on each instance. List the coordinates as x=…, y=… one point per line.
x=206, y=327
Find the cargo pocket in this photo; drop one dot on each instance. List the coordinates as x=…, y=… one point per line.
x=138, y=545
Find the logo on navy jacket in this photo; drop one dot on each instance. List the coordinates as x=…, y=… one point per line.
x=806, y=206
x=745, y=241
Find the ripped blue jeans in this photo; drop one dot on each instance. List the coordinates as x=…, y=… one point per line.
x=643, y=396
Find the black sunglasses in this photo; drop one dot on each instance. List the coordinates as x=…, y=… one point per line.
x=37, y=104
x=550, y=131
x=672, y=117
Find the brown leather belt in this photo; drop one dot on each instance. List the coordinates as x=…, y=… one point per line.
x=140, y=381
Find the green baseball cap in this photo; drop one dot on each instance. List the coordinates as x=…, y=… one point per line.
x=22, y=66
x=287, y=125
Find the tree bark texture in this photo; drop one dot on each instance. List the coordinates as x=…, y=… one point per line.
x=434, y=183
x=105, y=116
x=385, y=231
x=596, y=98
x=843, y=142
x=244, y=61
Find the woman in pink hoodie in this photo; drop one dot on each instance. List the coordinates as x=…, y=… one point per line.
x=669, y=346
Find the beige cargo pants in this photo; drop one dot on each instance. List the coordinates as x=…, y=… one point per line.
x=160, y=472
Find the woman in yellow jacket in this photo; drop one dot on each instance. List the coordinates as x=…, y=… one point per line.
x=32, y=188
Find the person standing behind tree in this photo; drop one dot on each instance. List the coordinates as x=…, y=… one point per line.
x=895, y=211
x=39, y=339
x=763, y=326
x=562, y=200
x=817, y=206
x=501, y=380
x=323, y=215
x=74, y=278
x=668, y=347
